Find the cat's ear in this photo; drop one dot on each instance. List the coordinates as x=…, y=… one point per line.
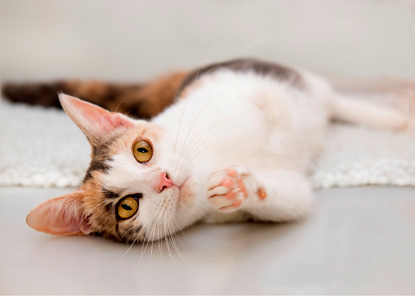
x=97, y=123
x=62, y=215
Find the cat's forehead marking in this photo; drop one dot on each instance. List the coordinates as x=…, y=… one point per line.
x=110, y=194
x=101, y=156
x=97, y=165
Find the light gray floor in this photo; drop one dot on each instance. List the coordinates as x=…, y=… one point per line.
x=359, y=240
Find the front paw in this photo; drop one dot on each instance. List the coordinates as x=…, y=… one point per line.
x=227, y=189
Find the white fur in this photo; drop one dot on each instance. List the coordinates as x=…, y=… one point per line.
x=267, y=127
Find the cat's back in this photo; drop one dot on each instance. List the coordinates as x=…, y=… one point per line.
x=242, y=88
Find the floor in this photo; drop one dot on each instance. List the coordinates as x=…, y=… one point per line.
x=358, y=240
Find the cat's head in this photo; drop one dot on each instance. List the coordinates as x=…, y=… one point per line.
x=137, y=188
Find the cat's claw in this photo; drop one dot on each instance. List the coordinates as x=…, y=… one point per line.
x=227, y=191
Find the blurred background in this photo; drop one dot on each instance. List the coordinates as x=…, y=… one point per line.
x=134, y=40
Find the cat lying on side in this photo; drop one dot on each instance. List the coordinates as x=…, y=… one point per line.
x=233, y=145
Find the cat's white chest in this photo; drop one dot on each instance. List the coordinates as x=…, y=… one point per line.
x=235, y=118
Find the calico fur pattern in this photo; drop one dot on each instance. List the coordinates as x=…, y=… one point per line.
x=235, y=144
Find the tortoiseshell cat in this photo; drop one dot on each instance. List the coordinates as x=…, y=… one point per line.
x=233, y=146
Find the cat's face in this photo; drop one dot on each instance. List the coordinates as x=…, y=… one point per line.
x=138, y=187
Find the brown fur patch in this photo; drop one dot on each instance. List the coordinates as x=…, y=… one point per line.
x=243, y=65
x=141, y=100
x=152, y=98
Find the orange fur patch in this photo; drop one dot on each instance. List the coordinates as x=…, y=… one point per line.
x=143, y=100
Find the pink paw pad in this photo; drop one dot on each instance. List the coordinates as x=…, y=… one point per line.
x=232, y=172
x=261, y=193
x=242, y=188
x=228, y=183
x=237, y=203
x=230, y=195
x=226, y=190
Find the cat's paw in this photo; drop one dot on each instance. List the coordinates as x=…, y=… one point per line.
x=229, y=189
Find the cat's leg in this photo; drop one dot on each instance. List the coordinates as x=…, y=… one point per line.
x=268, y=195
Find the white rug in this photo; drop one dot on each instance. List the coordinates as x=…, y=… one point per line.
x=43, y=147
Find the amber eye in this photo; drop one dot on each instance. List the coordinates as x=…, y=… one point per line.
x=127, y=207
x=142, y=151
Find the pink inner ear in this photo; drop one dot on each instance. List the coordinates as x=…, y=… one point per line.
x=62, y=216
x=117, y=121
x=96, y=122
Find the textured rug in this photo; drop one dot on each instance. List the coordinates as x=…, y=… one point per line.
x=43, y=147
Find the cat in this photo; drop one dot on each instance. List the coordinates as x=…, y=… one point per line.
x=234, y=145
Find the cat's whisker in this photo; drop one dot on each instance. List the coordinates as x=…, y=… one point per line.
x=181, y=232
x=150, y=223
x=121, y=101
x=204, y=136
x=128, y=250
x=146, y=243
x=166, y=239
x=185, y=145
x=195, y=120
x=169, y=239
x=178, y=128
x=179, y=166
x=203, y=108
x=172, y=236
x=159, y=243
x=200, y=141
x=92, y=210
x=160, y=213
x=206, y=129
x=132, y=244
x=169, y=235
x=153, y=231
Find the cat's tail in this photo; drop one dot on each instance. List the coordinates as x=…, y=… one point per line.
x=46, y=93
x=141, y=100
x=373, y=114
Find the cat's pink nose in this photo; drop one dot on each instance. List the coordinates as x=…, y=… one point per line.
x=165, y=182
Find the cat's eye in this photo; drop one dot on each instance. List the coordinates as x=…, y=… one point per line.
x=142, y=151
x=127, y=207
